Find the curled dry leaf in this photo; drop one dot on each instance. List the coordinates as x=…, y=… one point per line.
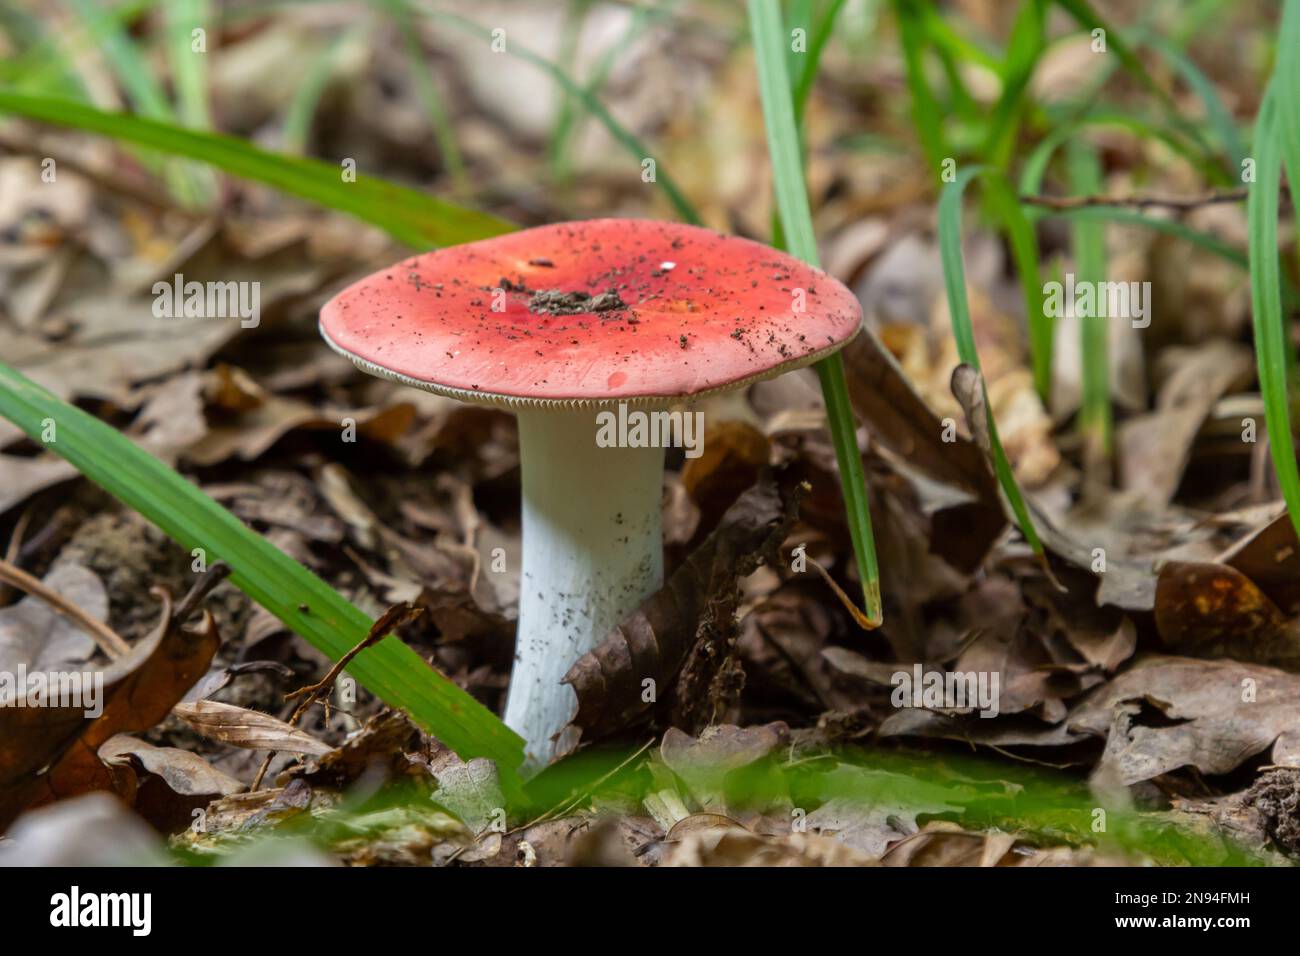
x=694, y=610
x=1212, y=610
x=1171, y=712
x=185, y=773
x=248, y=729
x=1270, y=556
x=52, y=752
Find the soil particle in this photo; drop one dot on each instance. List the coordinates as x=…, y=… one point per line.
x=555, y=302
x=1276, y=796
x=131, y=556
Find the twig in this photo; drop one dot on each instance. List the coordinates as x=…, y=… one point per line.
x=394, y=617
x=1067, y=203
x=104, y=636
x=200, y=590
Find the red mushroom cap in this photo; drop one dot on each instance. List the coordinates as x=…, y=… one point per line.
x=584, y=313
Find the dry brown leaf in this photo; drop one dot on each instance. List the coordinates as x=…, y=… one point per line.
x=185, y=773
x=696, y=606
x=1171, y=712
x=1212, y=610
x=1153, y=449
x=249, y=729
x=138, y=691
x=734, y=454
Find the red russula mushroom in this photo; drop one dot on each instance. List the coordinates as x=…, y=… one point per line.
x=561, y=323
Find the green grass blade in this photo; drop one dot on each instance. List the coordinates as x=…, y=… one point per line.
x=1266, y=303
x=1089, y=239
x=926, y=115
x=1286, y=84
x=1019, y=231
x=410, y=216
x=302, y=108
x=1087, y=17
x=594, y=106
x=391, y=670
x=796, y=217
x=427, y=92
x=954, y=278
x=1216, y=112
x=142, y=89
x=1034, y=169
x=189, y=67
x=1023, y=52
x=806, y=75
x=125, y=59
x=568, y=127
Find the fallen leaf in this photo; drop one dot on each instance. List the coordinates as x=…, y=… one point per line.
x=697, y=604
x=1171, y=712
x=881, y=809
x=52, y=752
x=36, y=636
x=184, y=772
x=1212, y=610
x=248, y=729
x=1153, y=449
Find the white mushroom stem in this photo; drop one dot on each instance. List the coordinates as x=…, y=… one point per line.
x=592, y=551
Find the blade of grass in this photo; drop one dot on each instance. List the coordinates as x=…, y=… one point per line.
x=189, y=67
x=594, y=106
x=926, y=116
x=1087, y=17
x=302, y=108
x=125, y=59
x=1019, y=230
x=802, y=75
x=1277, y=138
x=307, y=605
x=1216, y=113
x=410, y=216
x=1023, y=52
x=574, y=22
x=430, y=99
x=792, y=201
x=1035, y=166
x=1286, y=84
x=954, y=278
x=807, y=74
x=142, y=89
x=1089, y=239
x=569, y=126
x=942, y=34
x=1266, y=304
x=190, y=77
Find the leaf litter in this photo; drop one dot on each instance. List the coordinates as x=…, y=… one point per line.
x=772, y=736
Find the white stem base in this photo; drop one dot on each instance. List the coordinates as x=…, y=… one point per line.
x=592, y=552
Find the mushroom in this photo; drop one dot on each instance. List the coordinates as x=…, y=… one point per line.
x=583, y=329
